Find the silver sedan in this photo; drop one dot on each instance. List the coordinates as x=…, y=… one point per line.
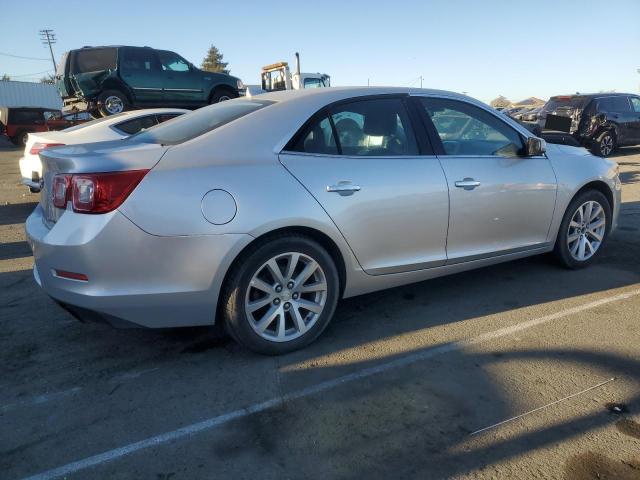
x=263, y=212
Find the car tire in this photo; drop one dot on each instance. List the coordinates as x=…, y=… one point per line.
x=279, y=323
x=20, y=139
x=569, y=243
x=605, y=144
x=112, y=102
x=221, y=95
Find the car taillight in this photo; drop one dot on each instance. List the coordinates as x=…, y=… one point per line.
x=36, y=148
x=97, y=192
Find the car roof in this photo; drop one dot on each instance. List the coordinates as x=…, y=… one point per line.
x=331, y=94
x=592, y=95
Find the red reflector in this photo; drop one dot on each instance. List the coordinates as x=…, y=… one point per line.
x=103, y=192
x=38, y=147
x=71, y=275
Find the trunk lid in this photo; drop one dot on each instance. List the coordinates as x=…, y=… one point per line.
x=111, y=156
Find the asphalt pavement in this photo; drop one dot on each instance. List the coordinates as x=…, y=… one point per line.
x=521, y=370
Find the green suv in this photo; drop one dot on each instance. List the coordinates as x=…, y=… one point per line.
x=110, y=80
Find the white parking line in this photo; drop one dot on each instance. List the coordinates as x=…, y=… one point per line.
x=219, y=420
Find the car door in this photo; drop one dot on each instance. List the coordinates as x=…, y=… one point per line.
x=500, y=201
x=182, y=83
x=140, y=70
x=384, y=191
x=634, y=124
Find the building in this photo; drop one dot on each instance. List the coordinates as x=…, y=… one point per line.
x=29, y=94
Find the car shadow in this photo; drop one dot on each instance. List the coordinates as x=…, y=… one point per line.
x=16, y=213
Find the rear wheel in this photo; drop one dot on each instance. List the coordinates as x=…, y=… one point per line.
x=281, y=295
x=584, y=230
x=20, y=139
x=112, y=102
x=222, y=95
x=605, y=144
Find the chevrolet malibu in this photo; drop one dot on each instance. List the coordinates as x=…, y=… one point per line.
x=262, y=212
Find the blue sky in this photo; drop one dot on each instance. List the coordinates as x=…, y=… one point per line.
x=484, y=47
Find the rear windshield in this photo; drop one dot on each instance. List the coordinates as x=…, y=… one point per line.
x=555, y=103
x=94, y=60
x=199, y=122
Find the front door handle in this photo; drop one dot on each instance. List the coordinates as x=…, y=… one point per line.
x=467, y=183
x=343, y=188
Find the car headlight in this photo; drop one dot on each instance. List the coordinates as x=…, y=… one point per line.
x=240, y=85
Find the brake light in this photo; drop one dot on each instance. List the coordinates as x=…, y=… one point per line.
x=96, y=192
x=36, y=148
x=71, y=275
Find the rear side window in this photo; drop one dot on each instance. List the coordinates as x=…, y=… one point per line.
x=318, y=138
x=372, y=127
x=136, y=125
x=201, y=121
x=25, y=117
x=465, y=129
x=94, y=60
x=137, y=60
x=614, y=104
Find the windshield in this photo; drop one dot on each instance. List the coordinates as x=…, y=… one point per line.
x=95, y=122
x=199, y=122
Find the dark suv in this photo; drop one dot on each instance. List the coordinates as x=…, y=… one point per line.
x=600, y=122
x=109, y=80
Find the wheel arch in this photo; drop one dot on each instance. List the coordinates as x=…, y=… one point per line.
x=220, y=87
x=322, y=238
x=599, y=186
x=115, y=84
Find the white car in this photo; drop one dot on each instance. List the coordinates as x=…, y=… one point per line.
x=113, y=127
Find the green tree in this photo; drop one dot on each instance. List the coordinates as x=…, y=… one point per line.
x=49, y=78
x=213, y=61
x=5, y=78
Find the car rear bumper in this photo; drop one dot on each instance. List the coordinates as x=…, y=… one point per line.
x=133, y=277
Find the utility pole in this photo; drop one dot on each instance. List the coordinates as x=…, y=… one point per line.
x=48, y=37
x=420, y=81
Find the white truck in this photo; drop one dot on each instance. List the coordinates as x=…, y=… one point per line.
x=277, y=76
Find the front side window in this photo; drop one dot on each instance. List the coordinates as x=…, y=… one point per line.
x=173, y=62
x=635, y=104
x=137, y=60
x=313, y=83
x=465, y=129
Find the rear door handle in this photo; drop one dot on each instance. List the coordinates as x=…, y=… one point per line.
x=467, y=184
x=343, y=188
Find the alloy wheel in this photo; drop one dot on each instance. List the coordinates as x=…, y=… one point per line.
x=586, y=230
x=113, y=105
x=606, y=145
x=286, y=296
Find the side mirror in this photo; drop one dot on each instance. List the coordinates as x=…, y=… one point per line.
x=535, y=146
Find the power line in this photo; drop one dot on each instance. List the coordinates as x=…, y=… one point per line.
x=20, y=56
x=29, y=74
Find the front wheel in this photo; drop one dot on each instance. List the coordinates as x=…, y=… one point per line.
x=584, y=230
x=280, y=295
